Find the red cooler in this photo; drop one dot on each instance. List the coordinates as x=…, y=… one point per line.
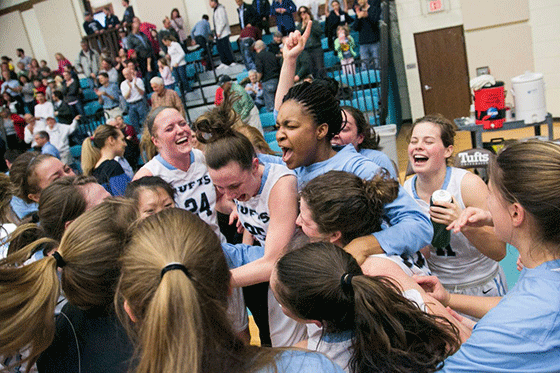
x=490, y=106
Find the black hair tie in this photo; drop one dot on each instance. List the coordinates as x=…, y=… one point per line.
x=59, y=261
x=346, y=282
x=174, y=266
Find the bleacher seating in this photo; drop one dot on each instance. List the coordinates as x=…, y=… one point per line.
x=84, y=83
x=92, y=107
x=267, y=38
x=330, y=59
x=325, y=44
x=89, y=94
x=242, y=75
x=267, y=120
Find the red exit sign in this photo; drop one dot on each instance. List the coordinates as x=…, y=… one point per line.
x=435, y=6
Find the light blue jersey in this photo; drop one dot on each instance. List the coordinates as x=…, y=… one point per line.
x=295, y=361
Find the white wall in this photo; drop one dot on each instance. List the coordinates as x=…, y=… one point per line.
x=31, y=24
x=14, y=36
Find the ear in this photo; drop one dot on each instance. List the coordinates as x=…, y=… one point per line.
x=155, y=141
x=360, y=138
x=322, y=131
x=67, y=224
x=128, y=310
x=517, y=213
x=254, y=165
x=34, y=197
x=335, y=237
x=449, y=151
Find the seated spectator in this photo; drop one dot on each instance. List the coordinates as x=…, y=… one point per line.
x=255, y=89
x=62, y=111
x=62, y=61
x=11, y=86
x=123, y=39
x=166, y=74
x=43, y=109
x=275, y=44
x=88, y=62
x=22, y=70
x=11, y=104
x=112, y=73
x=42, y=139
x=34, y=69
x=44, y=66
x=50, y=88
x=241, y=102
x=165, y=97
x=111, y=20
x=59, y=136
x=91, y=26
x=38, y=86
x=109, y=96
x=268, y=69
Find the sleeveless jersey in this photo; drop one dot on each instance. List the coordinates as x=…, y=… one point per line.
x=461, y=262
x=254, y=213
x=194, y=190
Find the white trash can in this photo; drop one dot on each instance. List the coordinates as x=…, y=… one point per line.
x=388, y=140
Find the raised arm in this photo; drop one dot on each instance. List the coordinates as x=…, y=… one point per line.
x=283, y=211
x=294, y=45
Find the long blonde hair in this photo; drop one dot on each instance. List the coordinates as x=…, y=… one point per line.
x=91, y=147
x=181, y=323
x=90, y=249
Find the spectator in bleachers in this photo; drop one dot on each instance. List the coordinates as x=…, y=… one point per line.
x=112, y=73
x=179, y=26
x=72, y=93
x=22, y=70
x=133, y=91
x=49, y=88
x=367, y=24
x=12, y=87
x=166, y=74
x=262, y=7
x=91, y=26
x=155, y=47
x=275, y=44
x=165, y=97
x=344, y=46
x=140, y=43
x=222, y=31
x=62, y=62
x=255, y=90
x=43, y=109
x=44, y=66
x=246, y=41
x=202, y=35
x=123, y=39
x=243, y=104
x=108, y=94
x=268, y=69
x=12, y=129
x=26, y=60
x=13, y=105
x=59, y=136
x=42, y=139
x=313, y=45
x=62, y=111
x=329, y=6
x=146, y=28
x=167, y=30
x=111, y=20
x=177, y=61
x=27, y=93
x=31, y=128
x=247, y=14
x=283, y=11
x=337, y=17
x=128, y=15
x=88, y=62
x=34, y=69
x=38, y=86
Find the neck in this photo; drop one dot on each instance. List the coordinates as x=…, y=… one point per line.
x=260, y=173
x=427, y=183
x=324, y=152
x=532, y=253
x=183, y=163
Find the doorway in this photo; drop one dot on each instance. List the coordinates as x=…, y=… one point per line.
x=443, y=69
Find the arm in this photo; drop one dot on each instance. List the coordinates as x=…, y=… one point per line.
x=126, y=89
x=141, y=173
x=283, y=213
x=294, y=45
x=71, y=127
x=139, y=85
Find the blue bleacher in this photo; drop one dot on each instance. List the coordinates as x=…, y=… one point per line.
x=270, y=136
x=325, y=44
x=263, y=110
x=267, y=120
x=330, y=59
x=242, y=75
x=84, y=83
x=364, y=77
x=274, y=146
x=89, y=95
x=234, y=46
x=92, y=107
x=267, y=38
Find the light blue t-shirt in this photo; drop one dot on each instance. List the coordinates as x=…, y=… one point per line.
x=520, y=334
x=22, y=208
x=408, y=229
x=295, y=361
x=381, y=159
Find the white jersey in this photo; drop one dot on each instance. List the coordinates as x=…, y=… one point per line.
x=194, y=190
x=254, y=213
x=460, y=263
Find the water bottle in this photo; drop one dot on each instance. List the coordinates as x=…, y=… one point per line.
x=441, y=235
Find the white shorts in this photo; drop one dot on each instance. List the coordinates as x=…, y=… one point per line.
x=237, y=312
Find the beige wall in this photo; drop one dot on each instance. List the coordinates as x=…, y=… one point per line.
x=509, y=36
x=13, y=36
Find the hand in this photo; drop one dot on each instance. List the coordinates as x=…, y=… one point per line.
x=92, y=75
x=520, y=265
x=77, y=117
x=433, y=287
x=445, y=212
x=234, y=219
x=296, y=78
x=472, y=217
x=295, y=43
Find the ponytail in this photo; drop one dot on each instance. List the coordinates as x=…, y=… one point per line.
x=91, y=147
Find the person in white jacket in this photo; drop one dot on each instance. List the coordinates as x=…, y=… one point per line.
x=177, y=56
x=222, y=31
x=59, y=134
x=43, y=109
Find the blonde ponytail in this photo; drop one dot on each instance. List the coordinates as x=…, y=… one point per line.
x=90, y=156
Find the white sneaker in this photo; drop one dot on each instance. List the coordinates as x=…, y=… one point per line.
x=232, y=64
x=221, y=66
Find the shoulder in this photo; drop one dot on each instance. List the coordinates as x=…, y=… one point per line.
x=302, y=362
x=144, y=171
x=473, y=188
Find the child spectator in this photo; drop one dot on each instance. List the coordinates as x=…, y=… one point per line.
x=344, y=46
x=166, y=74
x=59, y=134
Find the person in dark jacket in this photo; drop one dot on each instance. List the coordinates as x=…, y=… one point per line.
x=283, y=11
x=91, y=26
x=111, y=20
x=262, y=7
x=313, y=45
x=367, y=24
